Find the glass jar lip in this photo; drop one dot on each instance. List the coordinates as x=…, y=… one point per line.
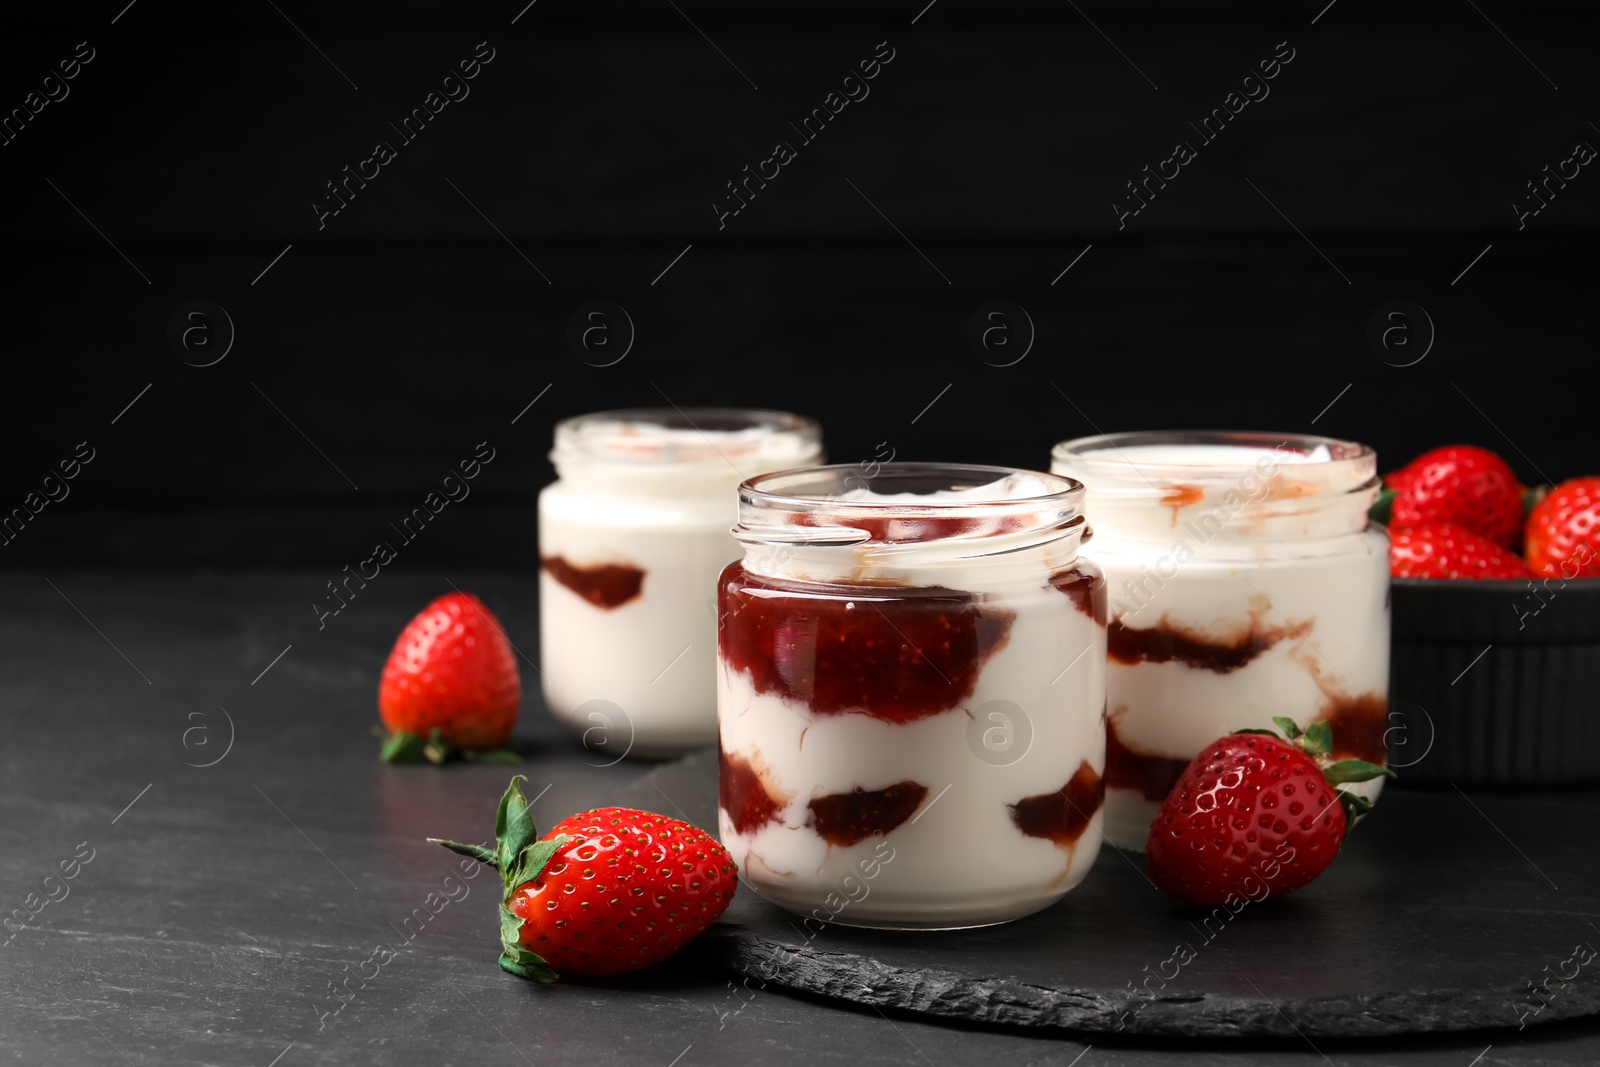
x=656, y=436
x=842, y=504
x=1102, y=453
x=762, y=490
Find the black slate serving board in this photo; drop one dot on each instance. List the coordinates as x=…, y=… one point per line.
x=1447, y=911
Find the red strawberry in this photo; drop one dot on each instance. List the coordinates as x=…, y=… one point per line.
x=1441, y=550
x=1255, y=816
x=451, y=672
x=1563, y=532
x=1461, y=484
x=605, y=892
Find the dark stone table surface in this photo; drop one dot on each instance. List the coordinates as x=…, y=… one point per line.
x=211, y=909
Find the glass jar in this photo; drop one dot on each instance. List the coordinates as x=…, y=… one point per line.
x=632, y=537
x=1246, y=582
x=911, y=693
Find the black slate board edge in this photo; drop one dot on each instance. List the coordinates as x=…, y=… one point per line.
x=737, y=945
x=1011, y=1003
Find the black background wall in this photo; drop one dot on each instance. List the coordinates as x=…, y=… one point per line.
x=375, y=347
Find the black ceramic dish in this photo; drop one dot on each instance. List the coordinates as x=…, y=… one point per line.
x=1495, y=683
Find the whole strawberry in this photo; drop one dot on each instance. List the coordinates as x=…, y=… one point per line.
x=1255, y=816
x=1563, y=531
x=605, y=892
x=1440, y=550
x=1459, y=484
x=451, y=680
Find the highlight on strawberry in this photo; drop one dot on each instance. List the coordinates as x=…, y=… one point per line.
x=450, y=687
x=1256, y=815
x=605, y=892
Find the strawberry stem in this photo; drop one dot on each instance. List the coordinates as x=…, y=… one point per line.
x=1531, y=495
x=1316, y=741
x=403, y=747
x=520, y=857
x=476, y=852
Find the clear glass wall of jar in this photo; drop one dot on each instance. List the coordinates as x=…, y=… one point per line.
x=911, y=694
x=1245, y=583
x=631, y=539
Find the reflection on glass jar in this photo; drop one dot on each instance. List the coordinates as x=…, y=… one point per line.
x=631, y=539
x=911, y=694
x=1246, y=582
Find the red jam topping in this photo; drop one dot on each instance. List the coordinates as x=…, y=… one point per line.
x=1163, y=644
x=1126, y=768
x=845, y=818
x=895, y=653
x=1064, y=815
x=606, y=585
x=743, y=795
x=1359, y=724
x=1181, y=496
x=1086, y=586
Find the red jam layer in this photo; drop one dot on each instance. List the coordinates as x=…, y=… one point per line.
x=1151, y=776
x=743, y=794
x=1064, y=815
x=606, y=585
x=1359, y=724
x=846, y=818
x=894, y=653
x=1085, y=586
x=1163, y=644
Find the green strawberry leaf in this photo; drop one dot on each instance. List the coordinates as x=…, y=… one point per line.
x=1531, y=495
x=1354, y=806
x=514, y=959
x=1318, y=739
x=510, y=928
x=1290, y=728
x=402, y=748
x=513, y=828
x=438, y=750
x=529, y=965
x=492, y=757
x=531, y=861
x=476, y=852
x=1382, y=509
x=1354, y=770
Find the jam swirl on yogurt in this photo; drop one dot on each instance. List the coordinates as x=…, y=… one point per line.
x=1062, y=816
x=742, y=792
x=605, y=585
x=1165, y=643
x=892, y=652
x=846, y=818
x=1085, y=585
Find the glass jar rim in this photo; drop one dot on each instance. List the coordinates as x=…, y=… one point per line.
x=1102, y=453
x=767, y=501
x=651, y=437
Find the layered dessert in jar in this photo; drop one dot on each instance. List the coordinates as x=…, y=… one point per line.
x=1245, y=582
x=631, y=539
x=911, y=691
